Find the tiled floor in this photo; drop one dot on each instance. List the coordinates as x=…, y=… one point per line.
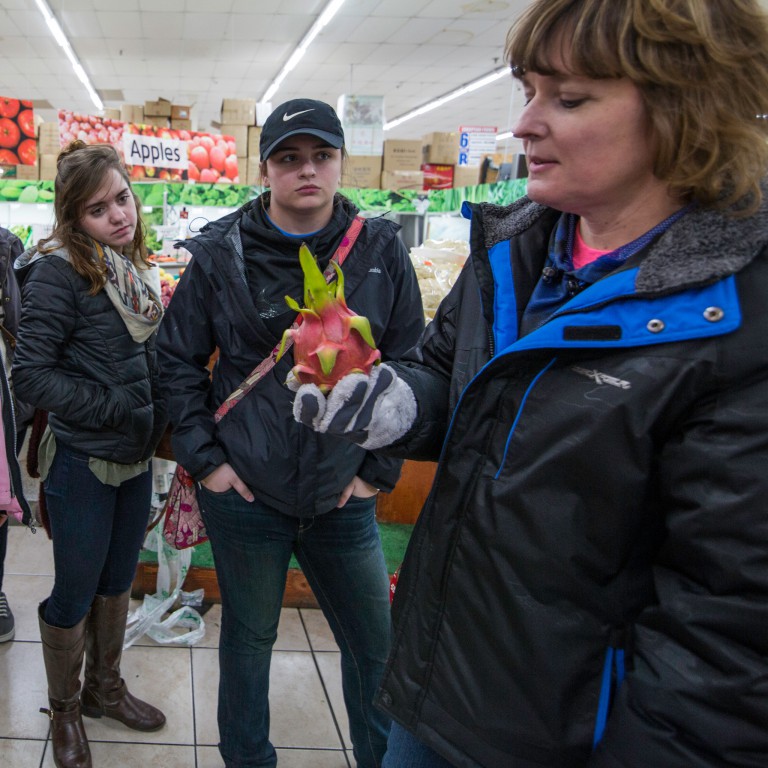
x=309, y=724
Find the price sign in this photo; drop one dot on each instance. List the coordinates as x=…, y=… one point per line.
x=475, y=141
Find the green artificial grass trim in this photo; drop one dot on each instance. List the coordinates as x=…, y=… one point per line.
x=394, y=540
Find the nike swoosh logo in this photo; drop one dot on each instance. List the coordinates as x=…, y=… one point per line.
x=287, y=117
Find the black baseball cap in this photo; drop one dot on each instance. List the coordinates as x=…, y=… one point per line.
x=300, y=116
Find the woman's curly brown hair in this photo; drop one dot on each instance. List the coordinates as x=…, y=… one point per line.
x=701, y=68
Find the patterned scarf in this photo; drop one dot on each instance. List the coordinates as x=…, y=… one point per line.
x=136, y=302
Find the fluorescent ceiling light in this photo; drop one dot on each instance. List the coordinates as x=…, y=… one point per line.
x=61, y=39
x=438, y=102
x=505, y=135
x=328, y=13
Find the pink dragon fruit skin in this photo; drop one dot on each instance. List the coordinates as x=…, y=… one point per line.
x=332, y=340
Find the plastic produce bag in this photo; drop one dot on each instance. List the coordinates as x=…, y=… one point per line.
x=147, y=619
x=437, y=264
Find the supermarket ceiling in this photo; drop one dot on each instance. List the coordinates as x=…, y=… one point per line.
x=408, y=51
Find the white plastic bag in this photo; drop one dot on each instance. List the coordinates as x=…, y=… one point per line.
x=437, y=264
x=147, y=619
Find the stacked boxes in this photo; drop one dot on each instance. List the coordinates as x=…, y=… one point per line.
x=237, y=116
x=362, y=172
x=181, y=117
x=48, y=148
x=402, y=165
x=238, y=111
x=252, y=162
x=28, y=172
x=47, y=166
x=48, y=142
x=132, y=113
x=440, y=148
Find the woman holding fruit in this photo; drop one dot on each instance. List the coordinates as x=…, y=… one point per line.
x=587, y=584
x=85, y=353
x=270, y=488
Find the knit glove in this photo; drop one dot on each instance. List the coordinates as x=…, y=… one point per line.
x=372, y=411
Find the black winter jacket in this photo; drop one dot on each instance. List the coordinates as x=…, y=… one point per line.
x=287, y=466
x=76, y=360
x=599, y=512
x=14, y=413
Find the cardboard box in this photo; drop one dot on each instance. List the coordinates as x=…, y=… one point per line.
x=181, y=125
x=47, y=166
x=240, y=134
x=48, y=142
x=238, y=111
x=158, y=122
x=437, y=176
x=180, y=112
x=242, y=170
x=362, y=172
x=441, y=148
x=132, y=113
x=28, y=172
x=402, y=180
x=466, y=175
x=159, y=108
x=110, y=114
x=254, y=136
x=402, y=155
x=252, y=173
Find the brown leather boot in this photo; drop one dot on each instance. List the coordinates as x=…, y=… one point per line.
x=104, y=691
x=63, y=657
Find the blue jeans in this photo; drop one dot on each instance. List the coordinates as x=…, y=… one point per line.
x=97, y=532
x=340, y=556
x=404, y=750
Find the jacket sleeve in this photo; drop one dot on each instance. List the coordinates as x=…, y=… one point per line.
x=48, y=319
x=697, y=694
x=160, y=410
x=185, y=344
x=403, y=331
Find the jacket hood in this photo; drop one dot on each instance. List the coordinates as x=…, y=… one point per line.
x=703, y=246
x=23, y=263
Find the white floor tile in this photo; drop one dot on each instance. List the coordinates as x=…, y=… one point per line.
x=28, y=553
x=24, y=691
x=320, y=635
x=21, y=753
x=24, y=594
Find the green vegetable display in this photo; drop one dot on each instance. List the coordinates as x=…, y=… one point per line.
x=152, y=195
x=23, y=191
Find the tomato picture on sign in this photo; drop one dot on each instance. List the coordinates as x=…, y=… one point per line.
x=154, y=153
x=17, y=132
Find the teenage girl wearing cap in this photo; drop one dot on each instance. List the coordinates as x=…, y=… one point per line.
x=269, y=487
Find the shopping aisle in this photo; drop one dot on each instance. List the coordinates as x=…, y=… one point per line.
x=309, y=724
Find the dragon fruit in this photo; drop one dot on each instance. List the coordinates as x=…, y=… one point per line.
x=331, y=340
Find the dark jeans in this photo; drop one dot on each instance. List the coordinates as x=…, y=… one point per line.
x=404, y=750
x=97, y=533
x=341, y=557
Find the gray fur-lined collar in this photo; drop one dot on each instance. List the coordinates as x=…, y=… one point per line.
x=700, y=248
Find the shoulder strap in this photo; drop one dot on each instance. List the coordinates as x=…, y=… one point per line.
x=268, y=363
